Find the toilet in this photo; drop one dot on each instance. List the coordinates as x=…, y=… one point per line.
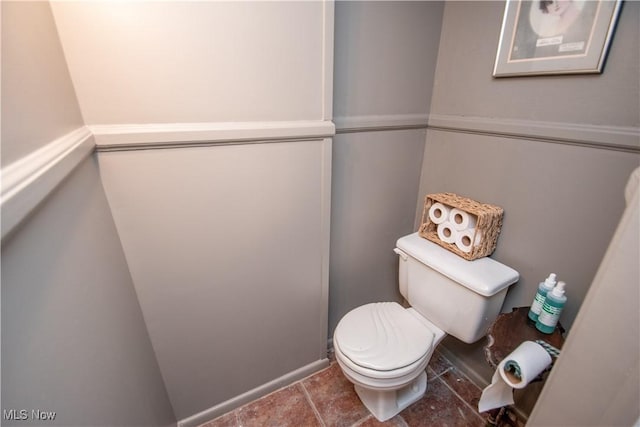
x=383, y=348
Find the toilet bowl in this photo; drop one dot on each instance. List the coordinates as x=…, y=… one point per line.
x=384, y=348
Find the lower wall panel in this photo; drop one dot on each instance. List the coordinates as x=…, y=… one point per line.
x=74, y=340
x=375, y=183
x=227, y=246
x=562, y=204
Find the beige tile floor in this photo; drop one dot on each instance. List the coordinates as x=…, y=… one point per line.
x=328, y=399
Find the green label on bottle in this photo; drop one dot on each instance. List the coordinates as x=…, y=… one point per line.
x=549, y=315
x=538, y=301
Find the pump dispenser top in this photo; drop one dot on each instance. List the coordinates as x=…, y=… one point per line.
x=541, y=294
x=558, y=291
x=550, y=281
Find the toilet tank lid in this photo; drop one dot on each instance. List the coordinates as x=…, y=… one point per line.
x=484, y=276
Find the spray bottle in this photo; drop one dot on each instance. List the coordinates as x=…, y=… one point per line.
x=538, y=300
x=551, y=309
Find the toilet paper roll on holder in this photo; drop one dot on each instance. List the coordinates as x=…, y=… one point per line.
x=509, y=330
x=505, y=334
x=512, y=369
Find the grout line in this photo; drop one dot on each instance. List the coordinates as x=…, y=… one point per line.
x=404, y=423
x=361, y=421
x=462, y=374
x=449, y=369
x=397, y=417
x=234, y=412
x=313, y=406
x=474, y=410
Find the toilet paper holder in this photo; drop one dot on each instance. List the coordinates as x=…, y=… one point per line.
x=513, y=369
x=509, y=330
x=506, y=333
x=553, y=352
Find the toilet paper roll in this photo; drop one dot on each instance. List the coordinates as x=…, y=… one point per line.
x=447, y=232
x=465, y=240
x=478, y=238
x=439, y=213
x=516, y=370
x=462, y=220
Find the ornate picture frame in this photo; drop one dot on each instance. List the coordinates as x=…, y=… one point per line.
x=541, y=37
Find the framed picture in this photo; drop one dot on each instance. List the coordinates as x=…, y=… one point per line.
x=555, y=36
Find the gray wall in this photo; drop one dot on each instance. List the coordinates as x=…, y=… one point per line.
x=384, y=63
x=194, y=61
x=386, y=83
x=73, y=337
x=562, y=200
x=225, y=253
x=226, y=239
x=606, y=396
x=28, y=98
x=464, y=86
x=384, y=57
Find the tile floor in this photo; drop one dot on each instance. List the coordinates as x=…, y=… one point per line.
x=327, y=399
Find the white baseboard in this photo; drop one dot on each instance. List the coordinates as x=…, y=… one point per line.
x=256, y=393
x=27, y=181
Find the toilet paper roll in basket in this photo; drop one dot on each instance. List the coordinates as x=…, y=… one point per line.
x=461, y=220
x=447, y=232
x=465, y=241
x=516, y=370
x=439, y=213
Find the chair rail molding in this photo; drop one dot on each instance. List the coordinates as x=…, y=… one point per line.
x=374, y=123
x=621, y=138
x=27, y=181
x=121, y=137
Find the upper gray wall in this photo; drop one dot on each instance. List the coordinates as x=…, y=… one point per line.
x=385, y=57
x=27, y=98
x=384, y=63
x=194, y=61
x=464, y=86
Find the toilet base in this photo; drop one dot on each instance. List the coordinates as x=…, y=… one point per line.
x=385, y=404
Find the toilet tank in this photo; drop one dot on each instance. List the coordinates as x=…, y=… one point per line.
x=460, y=297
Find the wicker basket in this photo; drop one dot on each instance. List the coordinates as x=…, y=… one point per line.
x=487, y=226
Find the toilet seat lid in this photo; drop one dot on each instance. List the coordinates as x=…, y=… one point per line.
x=383, y=336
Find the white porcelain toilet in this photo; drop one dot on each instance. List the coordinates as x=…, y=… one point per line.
x=384, y=348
